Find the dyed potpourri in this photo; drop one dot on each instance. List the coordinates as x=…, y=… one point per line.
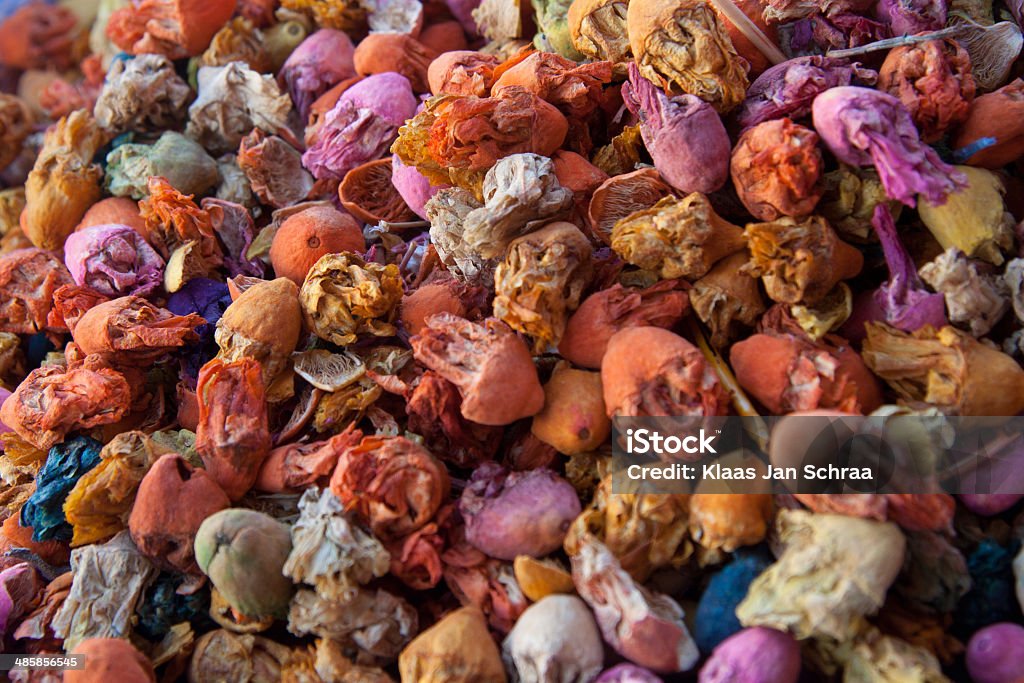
x=315, y=314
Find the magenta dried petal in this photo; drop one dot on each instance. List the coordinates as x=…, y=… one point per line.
x=627, y=673
x=388, y=95
x=864, y=127
x=907, y=17
x=20, y=586
x=318, y=63
x=788, y=89
x=684, y=135
x=114, y=260
x=522, y=513
x=754, y=655
x=412, y=186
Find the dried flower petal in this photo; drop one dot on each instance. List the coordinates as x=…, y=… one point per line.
x=37, y=35
x=134, y=329
x=28, y=280
x=555, y=640
x=622, y=195
x=319, y=62
x=433, y=410
x=755, y=655
x=368, y=193
x=15, y=125
x=176, y=28
x=274, y=169
x=994, y=116
x=598, y=29
x=974, y=299
x=343, y=297
x=576, y=89
x=457, y=649
x=462, y=72
x=776, y=167
x=400, y=53
x=142, y=94
x=375, y=622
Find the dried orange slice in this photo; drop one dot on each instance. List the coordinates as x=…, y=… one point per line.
x=328, y=371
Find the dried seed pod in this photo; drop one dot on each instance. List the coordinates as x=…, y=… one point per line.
x=541, y=280
x=15, y=124
x=64, y=182
x=133, y=329
x=142, y=94
x=456, y=139
x=644, y=627
x=361, y=126
x=598, y=29
x=604, y=313
x=972, y=219
x=28, y=280
x=175, y=28
x=233, y=99
x=671, y=378
x=728, y=521
x=55, y=400
x=243, y=552
x=395, y=52
x=182, y=162
x=684, y=48
x=974, y=299
x=946, y=368
x=574, y=419
x=576, y=89
x=489, y=364
x=233, y=435
x=754, y=655
x=644, y=531
x=368, y=194
x=38, y=36
x=554, y=641
x=833, y=570
x=393, y=485
x=305, y=237
x=788, y=89
x=622, y=195
x=274, y=169
x=933, y=81
x=344, y=296
x=776, y=167
x=994, y=115
x=518, y=513
x=462, y=72
x=863, y=126
x=799, y=261
x=457, y=649
x=684, y=136
x=676, y=237
x=173, y=500
x=319, y=62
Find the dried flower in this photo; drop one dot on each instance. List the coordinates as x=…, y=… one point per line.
x=110, y=657
x=676, y=237
x=240, y=40
x=234, y=656
x=401, y=53
x=361, y=126
x=775, y=167
x=863, y=127
x=108, y=583
x=182, y=162
x=319, y=62
x=974, y=299
x=684, y=136
x=989, y=653
x=671, y=378
x=447, y=211
x=15, y=124
x=462, y=72
x=175, y=28
x=142, y=94
x=173, y=500
x=55, y=400
x=946, y=368
x=684, y=48
x=344, y=15
x=789, y=88
x=305, y=237
x=413, y=187
x=114, y=260
x=37, y=35
x=574, y=419
x=799, y=261
x=344, y=296
x=489, y=364
x=972, y=219
x=754, y=655
x=541, y=280
x=28, y=280
x=367, y=192
x=373, y=622
x=933, y=81
x=727, y=299
x=456, y=139
x=64, y=182
x=173, y=220
x=243, y=552
x=728, y=521
x=457, y=649
x=233, y=99
x=644, y=627
x=274, y=169
x=832, y=571
x=622, y=195
x=627, y=673
x=576, y=89
x=556, y=641
x=539, y=578
x=598, y=29
x=233, y=436
x=907, y=17
x=134, y=329
x=994, y=116
x=65, y=464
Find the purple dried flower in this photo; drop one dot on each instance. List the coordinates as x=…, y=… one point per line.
x=627, y=673
x=684, y=135
x=20, y=586
x=518, y=513
x=863, y=126
x=114, y=260
x=907, y=17
x=788, y=89
x=412, y=186
x=754, y=655
x=994, y=654
x=318, y=63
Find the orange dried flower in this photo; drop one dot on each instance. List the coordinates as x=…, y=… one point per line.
x=604, y=313
x=398, y=52
x=114, y=211
x=727, y=521
x=998, y=115
x=233, y=436
x=174, y=28
x=238, y=41
x=345, y=15
x=462, y=72
x=134, y=329
x=799, y=261
x=670, y=377
x=776, y=167
x=173, y=220
x=489, y=364
x=16, y=121
x=368, y=194
x=70, y=303
x=38, y=35
x=444, y=36
x=28, y=280
x=576, y=89
x=621, y=195
x=306, y=236
x=433, y=410
x=446, y=295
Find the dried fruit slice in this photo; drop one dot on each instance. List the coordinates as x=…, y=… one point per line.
x=328, y=371
x=368, y=194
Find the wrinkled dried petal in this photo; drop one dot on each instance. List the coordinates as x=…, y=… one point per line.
x=368, y=193
x=274, y=169
x=598, y=29
x=134, y=329
x=555, y=641
x=142, y=94
x=776, y=167
x=975, y=299
x=319, y=62
x=433, y=410
x=28, y=280
x=376, y=622
x=576, y=89
x=176, y=28
x=462, y=72
x=113, y=260
x=622, y=195
x=457, y=649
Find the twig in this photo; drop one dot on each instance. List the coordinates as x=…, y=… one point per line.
x=889, y=43
x=751, y=30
